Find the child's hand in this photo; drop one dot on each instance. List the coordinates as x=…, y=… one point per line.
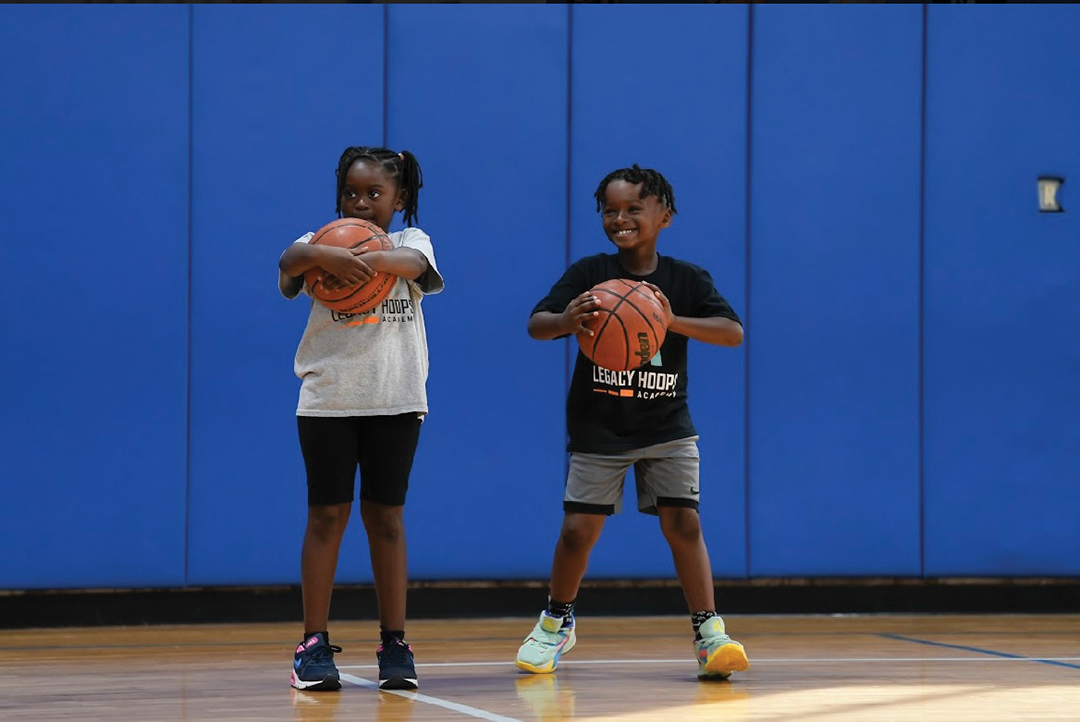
x=342, y=268
x=579, y=311
x=663, y=301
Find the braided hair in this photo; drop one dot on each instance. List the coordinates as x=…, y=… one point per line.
x=652, y=184
x=402, y=167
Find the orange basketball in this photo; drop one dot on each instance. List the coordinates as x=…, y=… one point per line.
x=629, y=329
x=351, y=233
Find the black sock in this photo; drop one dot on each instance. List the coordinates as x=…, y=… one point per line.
x=699, y=618
x=389, y=635
x=561, y=609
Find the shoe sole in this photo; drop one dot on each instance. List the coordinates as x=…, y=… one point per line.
x=725, y=660
x=398, y=683
x=553, y=664
x=329, y=684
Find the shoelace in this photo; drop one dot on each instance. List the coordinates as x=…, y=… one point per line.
x=323, y=652
x=397, y=653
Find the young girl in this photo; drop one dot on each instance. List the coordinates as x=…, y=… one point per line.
x=631, y=426
x=362, y=400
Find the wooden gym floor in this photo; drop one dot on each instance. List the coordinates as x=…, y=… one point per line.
x=624, y=669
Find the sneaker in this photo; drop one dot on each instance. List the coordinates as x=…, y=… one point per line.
x=718, y=655
x=313, y=665
x=550, y=639
x=397, y=668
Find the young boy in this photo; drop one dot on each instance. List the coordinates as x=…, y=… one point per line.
x=649, y=430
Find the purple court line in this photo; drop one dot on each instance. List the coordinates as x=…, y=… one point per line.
x=965, y=648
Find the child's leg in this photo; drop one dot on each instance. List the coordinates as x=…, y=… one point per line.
x=318, y=562
x=386, y=543
x=682, y=530
x=576, y=540
x=718, y=655
x=313, y=661
x=385, y=528
x=329, y=446
x=554, y=634
x=386, y=458
x=668, y=485
x=593, y=491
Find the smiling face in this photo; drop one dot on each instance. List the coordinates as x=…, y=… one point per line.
x=369, y=193
x=631, y=221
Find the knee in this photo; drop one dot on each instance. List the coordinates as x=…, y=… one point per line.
x=576, y=537
x=385, y=523
x=328, y=522
x=681, y=526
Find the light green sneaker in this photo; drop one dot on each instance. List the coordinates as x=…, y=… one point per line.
x=718, y=655
x=548, y=641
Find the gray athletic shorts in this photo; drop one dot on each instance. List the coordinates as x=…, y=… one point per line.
x=666, y=475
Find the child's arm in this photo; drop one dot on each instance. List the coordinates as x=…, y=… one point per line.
x=716, y=330
x=545, y=325
x=403, y=262
x=341, y=263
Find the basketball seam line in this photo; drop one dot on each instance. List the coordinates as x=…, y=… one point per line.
x=611, y=314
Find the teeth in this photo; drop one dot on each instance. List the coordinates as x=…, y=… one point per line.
x=623, y=233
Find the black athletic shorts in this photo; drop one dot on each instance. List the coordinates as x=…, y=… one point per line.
x=382, y=446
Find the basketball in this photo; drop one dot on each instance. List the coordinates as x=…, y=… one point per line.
x=351, y=233
x=629, y=329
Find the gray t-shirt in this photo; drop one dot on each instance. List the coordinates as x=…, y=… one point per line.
x=367, y=364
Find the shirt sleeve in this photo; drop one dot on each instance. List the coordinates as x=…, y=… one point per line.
x=572, y=284
x=430, y=281
x=708, y=301
x=290, y=286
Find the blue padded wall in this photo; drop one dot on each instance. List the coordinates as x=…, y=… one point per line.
x=834, y=289
x=906, y=402
x=272, y=112
x=94, y=140
x=1002, y=353
x=683, y=112
x=480, y=97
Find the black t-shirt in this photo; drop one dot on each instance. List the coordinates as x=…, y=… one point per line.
x=611, y=411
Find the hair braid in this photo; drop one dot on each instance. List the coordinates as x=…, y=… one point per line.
x=652, y=182
x=403, y=168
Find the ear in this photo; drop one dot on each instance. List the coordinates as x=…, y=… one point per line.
x=399, y=205
x=666, y=221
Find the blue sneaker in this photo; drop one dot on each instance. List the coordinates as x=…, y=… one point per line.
x=313, y=665
x=397, y=667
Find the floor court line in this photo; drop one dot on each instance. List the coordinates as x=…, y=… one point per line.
x=453, y=706
x=778, y=660
x=1059, y=662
